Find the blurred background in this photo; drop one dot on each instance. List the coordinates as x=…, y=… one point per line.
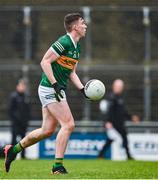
x=121, y=42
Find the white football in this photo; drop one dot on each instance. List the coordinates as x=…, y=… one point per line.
x=94, y=89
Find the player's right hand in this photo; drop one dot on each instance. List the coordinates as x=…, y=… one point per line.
x=58, y=91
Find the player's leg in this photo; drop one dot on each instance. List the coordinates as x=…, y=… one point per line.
x=23, y=134
x=61, y=111
x=123, y=134
x=105, y=147
x=48, y=127
x=14, y=134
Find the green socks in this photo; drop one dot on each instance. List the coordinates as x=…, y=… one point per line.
x=17, y=148
x=58, y=162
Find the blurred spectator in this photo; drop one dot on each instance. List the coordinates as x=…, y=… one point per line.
x=115, y=116
x=19, y=112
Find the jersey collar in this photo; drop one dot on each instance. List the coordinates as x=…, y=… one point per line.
x=75, y=45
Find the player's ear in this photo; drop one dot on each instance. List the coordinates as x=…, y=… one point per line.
x=74, y=26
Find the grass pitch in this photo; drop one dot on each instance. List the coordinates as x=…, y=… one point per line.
x=82, y=169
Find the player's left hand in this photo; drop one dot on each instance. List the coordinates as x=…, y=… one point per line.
x=83, y=92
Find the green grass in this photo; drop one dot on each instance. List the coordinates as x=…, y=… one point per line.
x=82, y=169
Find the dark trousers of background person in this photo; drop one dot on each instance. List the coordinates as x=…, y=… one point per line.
x=18, y=133
x=123, y=134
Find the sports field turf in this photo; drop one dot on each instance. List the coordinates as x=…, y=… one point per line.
x=82, y=169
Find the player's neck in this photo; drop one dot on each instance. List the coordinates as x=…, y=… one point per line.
x=75, y=36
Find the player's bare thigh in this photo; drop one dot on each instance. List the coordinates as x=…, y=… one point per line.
x=49, y=122
x=62, y=113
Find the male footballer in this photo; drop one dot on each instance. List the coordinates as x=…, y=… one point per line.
x=58, y=64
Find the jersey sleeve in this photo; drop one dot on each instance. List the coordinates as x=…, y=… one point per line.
x=59, y=47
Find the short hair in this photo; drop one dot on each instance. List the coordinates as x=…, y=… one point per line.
x=21, y=80
x=69, y=19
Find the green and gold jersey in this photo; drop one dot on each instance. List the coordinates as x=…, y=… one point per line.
x=68, y=54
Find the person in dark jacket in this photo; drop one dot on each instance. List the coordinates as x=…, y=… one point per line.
x=116, y=116
x=19, y=112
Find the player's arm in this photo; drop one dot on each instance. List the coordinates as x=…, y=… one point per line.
x=54, y=52
x=75, y=79
x=48, y=58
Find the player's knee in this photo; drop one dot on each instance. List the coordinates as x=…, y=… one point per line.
x=70, y=127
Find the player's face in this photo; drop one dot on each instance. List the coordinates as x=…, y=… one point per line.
x=81, y=27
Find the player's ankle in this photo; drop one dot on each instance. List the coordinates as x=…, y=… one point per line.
x=17, y=148
x=56, y=165
x=58, y=162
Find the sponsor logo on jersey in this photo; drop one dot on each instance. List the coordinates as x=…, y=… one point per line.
x=75, y=56
x=70, y=52
x=67, y=62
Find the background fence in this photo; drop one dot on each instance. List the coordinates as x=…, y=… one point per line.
x=120, y=43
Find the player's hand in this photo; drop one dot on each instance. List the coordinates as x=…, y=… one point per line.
x=83, y=92
x=58, y=91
